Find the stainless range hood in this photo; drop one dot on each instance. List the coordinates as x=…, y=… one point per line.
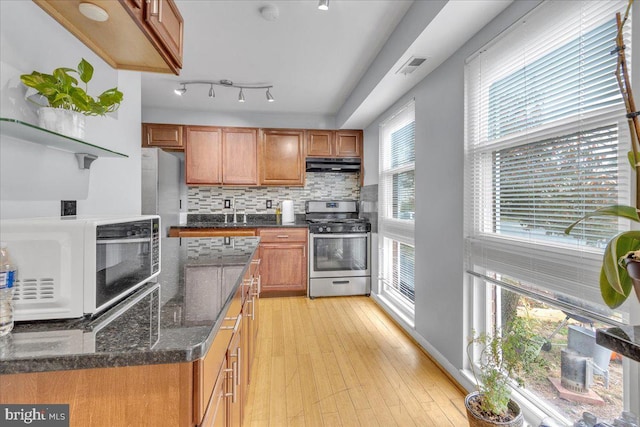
x=346, y=164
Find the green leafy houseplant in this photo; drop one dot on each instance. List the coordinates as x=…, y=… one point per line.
x=62, y=90
x=505, y=356
x=620, y=271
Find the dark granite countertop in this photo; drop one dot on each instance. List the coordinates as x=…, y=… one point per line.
x=253, y=221
x=623, y=340
x=171, y=321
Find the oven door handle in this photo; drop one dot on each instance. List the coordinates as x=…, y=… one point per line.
x=354, y=235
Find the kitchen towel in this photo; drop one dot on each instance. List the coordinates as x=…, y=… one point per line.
x=287, y=212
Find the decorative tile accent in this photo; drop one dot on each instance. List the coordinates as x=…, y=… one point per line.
x=318, y=186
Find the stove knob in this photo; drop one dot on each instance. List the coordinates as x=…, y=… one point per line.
x=328, y=229
x=320, y=229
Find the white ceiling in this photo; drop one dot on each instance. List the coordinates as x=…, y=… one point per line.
x=314, y=59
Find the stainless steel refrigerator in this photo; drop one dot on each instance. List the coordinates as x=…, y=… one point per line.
x=163, y=188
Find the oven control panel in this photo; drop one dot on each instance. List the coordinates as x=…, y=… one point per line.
x=340, y=228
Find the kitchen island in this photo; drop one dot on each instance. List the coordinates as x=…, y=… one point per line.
x=155, y=358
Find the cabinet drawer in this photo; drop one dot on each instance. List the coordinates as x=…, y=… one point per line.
x=282, y=235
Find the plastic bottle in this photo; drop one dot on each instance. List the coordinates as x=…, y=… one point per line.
x=278, y=214
x=7, y=277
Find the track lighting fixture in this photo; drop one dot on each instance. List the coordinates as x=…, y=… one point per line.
x=226, y=83
x=181, y=91
x=323, y=5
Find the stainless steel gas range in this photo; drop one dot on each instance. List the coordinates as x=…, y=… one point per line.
x=339, y=249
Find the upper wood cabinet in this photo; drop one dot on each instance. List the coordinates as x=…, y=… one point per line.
x=221, y=156
x=202, y=156
x=320, y=143
x=239, y=156
x=165, y=136
x=139, y=35
x=348, y=143
x=330, y=143
x=282, y=155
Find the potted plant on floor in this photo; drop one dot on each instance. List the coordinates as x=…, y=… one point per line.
x=503, y=357
x=620, y=272
x=68, y=103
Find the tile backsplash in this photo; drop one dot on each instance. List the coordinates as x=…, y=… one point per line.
x=318, y=186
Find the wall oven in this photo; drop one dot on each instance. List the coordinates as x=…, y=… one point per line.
x=339, y=249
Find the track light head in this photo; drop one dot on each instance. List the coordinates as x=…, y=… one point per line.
x=181, y=91
x=323, y=5
x=212, y=94
x=269, y=96
x=241, y=96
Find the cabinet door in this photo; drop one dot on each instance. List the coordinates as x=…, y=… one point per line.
x=162, y=135
x=165, y=21
x=239, y=156
x=216, y=415
x=348, y=143
x=282, y=157
x=320, y=143
x=203, y=152
x=283, y=267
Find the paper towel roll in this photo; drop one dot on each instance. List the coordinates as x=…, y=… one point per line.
x=287, y=212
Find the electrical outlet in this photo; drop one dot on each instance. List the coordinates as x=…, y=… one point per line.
x=268, y=204
x=227, y=240
x=227, y=203
x=67, y=208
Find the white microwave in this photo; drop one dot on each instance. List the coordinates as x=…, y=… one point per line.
x=69, y=267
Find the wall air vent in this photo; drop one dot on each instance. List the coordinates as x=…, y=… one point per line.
x=411, y=65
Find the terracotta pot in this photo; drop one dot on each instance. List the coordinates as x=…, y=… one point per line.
x=633, y=268
x=477, y=420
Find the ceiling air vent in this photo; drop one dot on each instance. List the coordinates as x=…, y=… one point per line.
x=411, y=65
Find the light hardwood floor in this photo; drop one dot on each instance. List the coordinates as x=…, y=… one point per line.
x=343, y=362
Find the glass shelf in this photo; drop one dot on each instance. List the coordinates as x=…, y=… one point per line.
x=28, y=132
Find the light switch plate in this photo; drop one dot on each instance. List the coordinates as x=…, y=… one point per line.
x=227, y=203
x=269, y=204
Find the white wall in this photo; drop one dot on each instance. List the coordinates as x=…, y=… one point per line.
x=258, y=120
x=440, y=298
x=36, y=178
x=440, y=306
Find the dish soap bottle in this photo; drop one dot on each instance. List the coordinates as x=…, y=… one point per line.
x=278, y=214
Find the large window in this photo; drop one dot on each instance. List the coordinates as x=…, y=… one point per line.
x=397, y=210
x=546, y=141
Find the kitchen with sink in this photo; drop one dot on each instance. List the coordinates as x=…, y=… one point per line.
x=303, y=212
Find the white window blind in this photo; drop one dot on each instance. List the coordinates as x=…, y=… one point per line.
x=546, y=142
x=397, y=206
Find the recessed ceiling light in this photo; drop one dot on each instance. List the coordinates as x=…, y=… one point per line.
x=93, y=12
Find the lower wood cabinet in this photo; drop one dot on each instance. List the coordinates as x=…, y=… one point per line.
x=283, y=257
